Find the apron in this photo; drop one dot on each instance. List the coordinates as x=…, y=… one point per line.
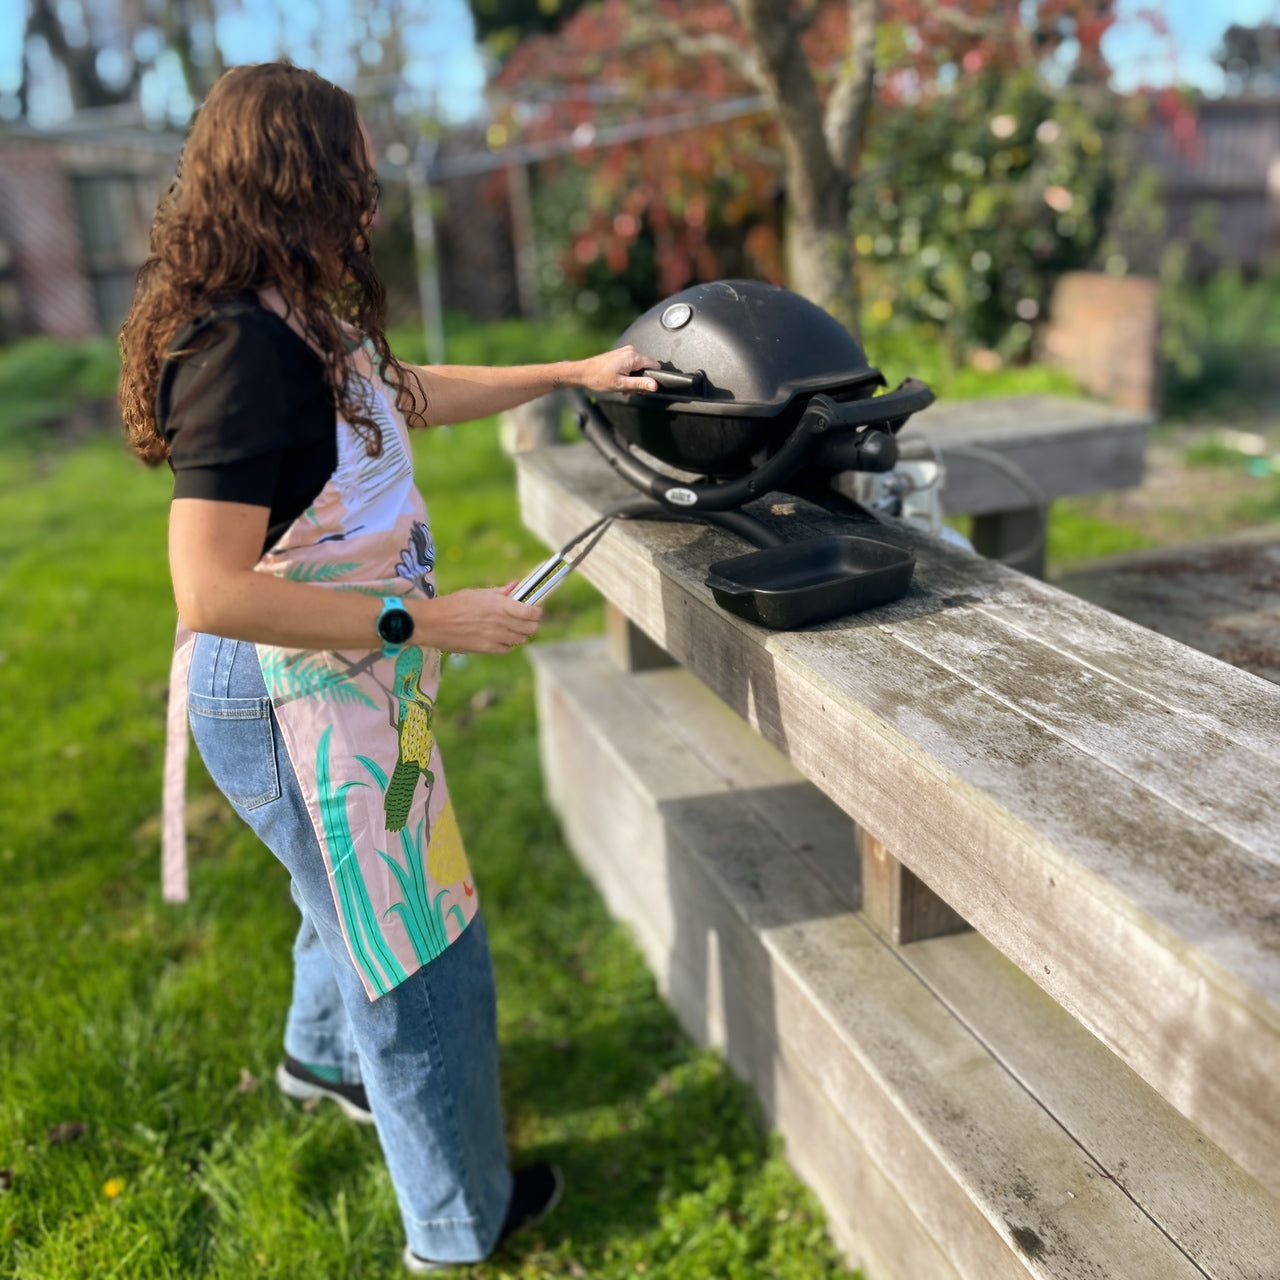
x=357, y=725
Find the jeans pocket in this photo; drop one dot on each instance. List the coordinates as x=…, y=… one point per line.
x=236, y=741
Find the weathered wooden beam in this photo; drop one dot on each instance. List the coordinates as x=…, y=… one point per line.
x=629, y=647
x=953, y=1120
x=1016, y=538
x=898, y=903
x=1064, y=446
x=1095, y=800
x=1219, y=595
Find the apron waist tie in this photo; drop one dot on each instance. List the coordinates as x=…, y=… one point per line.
x=173, y=840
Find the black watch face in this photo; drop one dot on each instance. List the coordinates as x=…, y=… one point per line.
x=395, y=626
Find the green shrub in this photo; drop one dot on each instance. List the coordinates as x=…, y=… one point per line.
x=471, y=341
x=973, y=201
x=140, y=1136
x=1220, y=339
x=44, y=380
x=900, y=349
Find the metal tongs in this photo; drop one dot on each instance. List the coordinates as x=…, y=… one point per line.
x=544, y=579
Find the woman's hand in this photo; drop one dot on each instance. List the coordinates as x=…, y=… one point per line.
x=614, y=371
x=485, y=620
x=461, y=393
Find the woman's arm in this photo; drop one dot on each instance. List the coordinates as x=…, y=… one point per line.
x=213, y=547
x=461, y=393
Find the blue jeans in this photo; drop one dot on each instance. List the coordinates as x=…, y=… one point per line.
x=427, y=1051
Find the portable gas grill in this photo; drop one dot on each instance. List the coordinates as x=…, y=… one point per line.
x=760, y=391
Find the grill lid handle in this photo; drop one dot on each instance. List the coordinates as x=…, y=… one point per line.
x=674, y=380
x=908, y=397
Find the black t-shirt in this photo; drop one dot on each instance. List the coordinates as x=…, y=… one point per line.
x=247, y=415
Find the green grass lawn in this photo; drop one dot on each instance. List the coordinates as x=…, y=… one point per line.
x=140, y=1134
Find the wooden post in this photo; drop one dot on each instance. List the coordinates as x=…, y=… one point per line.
x=999, y=532
x=897, y=903
x=425, y=253
x=534, y=425
x=631, y=648
x=522, y=239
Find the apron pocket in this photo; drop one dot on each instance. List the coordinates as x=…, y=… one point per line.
x=236, y=741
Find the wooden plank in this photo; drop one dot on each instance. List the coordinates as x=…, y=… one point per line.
x=762, y=966
x=1065, y=446
x=623, y=833
x=1012, y=418
x=945, y=579
x=876, y=1226
x=1221, y=596
x=1230, y=787
x=1111, y=898
x=1193, y=685
x=760, y=798
x=868, y=1216
x=783, y=802
x=1152, y=1152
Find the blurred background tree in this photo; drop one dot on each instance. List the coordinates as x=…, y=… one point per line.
x=916, y=166
x=1002, y=147
x=104, y=51
x=161, y=58
x=1250, y=57
x=502, y=24
x=898, y=136
x=623, y=225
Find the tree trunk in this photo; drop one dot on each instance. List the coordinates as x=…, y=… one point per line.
x=86, y=87
x=821, y=147
x=819, y=247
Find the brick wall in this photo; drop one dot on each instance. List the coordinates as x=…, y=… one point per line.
x=38, y=222
x=1102, y=330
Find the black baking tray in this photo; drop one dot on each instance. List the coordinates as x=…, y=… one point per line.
x=812, y=580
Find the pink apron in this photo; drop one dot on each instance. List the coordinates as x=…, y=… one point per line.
x=358, y=725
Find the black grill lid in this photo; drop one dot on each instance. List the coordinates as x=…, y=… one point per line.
x=756, y=346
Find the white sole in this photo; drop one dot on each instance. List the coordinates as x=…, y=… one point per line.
x=417, y=1266
x=304, y=1091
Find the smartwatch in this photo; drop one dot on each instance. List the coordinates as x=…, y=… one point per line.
x=394, y=625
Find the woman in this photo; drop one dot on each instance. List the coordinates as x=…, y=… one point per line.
x=255, y=362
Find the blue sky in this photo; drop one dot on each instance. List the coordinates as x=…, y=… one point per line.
x=1186, y=56
x=448, y=67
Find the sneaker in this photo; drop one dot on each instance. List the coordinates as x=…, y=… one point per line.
x=296, y=1080
x=535, y=1192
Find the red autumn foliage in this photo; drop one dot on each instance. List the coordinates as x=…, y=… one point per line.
x=708, y=196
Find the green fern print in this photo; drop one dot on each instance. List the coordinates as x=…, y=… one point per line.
x=369, y=946
x=304, y=675
x=318, y=572
x=425, y=921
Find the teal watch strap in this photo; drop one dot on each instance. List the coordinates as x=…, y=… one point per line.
x=394, y=625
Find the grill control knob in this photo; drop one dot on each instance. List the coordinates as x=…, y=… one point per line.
x=677, y=315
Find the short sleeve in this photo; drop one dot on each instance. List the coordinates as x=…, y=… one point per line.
x=223, y=412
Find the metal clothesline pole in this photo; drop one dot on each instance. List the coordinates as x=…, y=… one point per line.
x=425, y=248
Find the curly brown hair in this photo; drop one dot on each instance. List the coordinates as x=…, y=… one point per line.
x=274, y=187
